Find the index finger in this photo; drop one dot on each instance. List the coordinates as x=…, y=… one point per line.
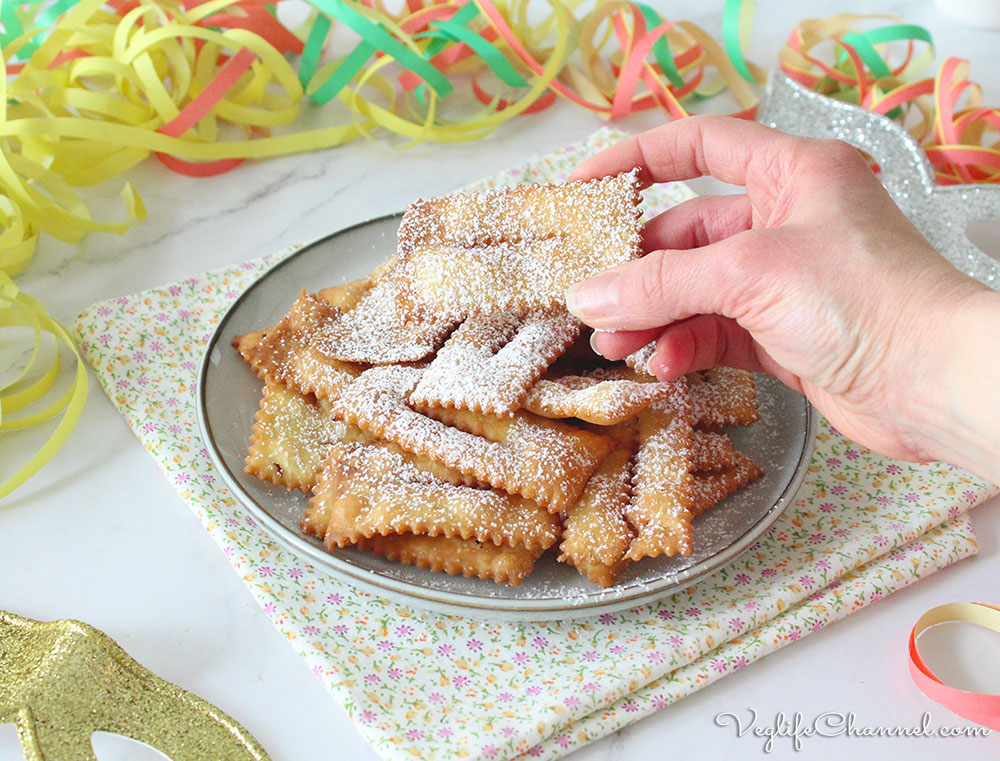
x=732, y=150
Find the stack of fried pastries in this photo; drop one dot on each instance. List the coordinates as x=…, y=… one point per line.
x=446, y=411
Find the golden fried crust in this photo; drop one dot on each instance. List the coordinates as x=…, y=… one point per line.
x=712, y=488
x=662, y=485
x=602, y=397
x=489, y=363
x=542, y=460
x=376, y=489
x=455, y=556
x=712, y=452
x=346, y=296
x=514, y=249
x=596, y=535
x=289, y=354
x=290, y=438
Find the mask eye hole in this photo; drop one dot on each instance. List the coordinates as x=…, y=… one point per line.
x=111, y=747
x=985, y=234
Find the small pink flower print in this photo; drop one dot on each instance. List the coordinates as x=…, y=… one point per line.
x=474, y=644
x=880, y=540
x=660, y=702
x=520, y=658
x=911, y=497
x=572, y=702
x=385, y=645
x=461, y=681
x=445, y=733
x=894, y=470
x=674, y=639
x=607, y=619
x=693, y=612
x=311, y=630
x=768, y=572
x=269, y=608
x=630, y=707
x=590, y=655
x=366, y=717
x=156, y=346
x=656, y=657
x=742, y=578
x=719, y=665
x=739, y=661
x=751, y=605
x=507, y=731
x=317, y=671
x=334, y=599
x=817, y=625
x=540, y=642
x=534, y=751
x=826, y=507
x=590, y=687
x=505, y=697
x=162, y=317
x=394, y=673
x=617, y=649
x=850, y=454
x=413, y=735
x=563, y=741
x=139, y=356
x=446, y=651
x=490, y=751
x=104, y=311
x=917, y=547
x=824, y=564
x=435, y=697
x=807, y=581
x=340, y=629
x=794, y=634
x=404, y=631
x=372, y=679
x=841, y=532
x=533, y=690
x=736, y=624
x=833, y=462
x=174, y=290
x=142, y=380
x=665, y=614
x=839, y=490
x=148, y=427
x=266, y=571
x=969, y=496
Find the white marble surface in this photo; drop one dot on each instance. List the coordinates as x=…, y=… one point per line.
x=99, y=535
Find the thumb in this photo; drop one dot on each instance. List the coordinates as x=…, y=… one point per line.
x=657, y=289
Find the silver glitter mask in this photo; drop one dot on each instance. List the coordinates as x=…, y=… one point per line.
x=942, y=214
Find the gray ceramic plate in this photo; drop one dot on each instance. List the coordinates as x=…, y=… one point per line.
x=228, y=394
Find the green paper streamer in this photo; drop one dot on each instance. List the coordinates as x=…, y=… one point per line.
x=732, y=20
x=485, y=50
x=313, y=48
x=378, y=37
x=661, y=48
x=340, y=76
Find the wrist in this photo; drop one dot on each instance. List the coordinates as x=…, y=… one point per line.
x=956, y=405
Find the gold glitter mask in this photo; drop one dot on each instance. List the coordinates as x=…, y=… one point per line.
x=63, y=680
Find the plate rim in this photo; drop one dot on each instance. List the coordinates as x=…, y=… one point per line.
x=454, y=603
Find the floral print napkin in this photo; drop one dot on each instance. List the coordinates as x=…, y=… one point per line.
x=422, y=685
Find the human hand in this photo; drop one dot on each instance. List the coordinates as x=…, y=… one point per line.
x=814, y=276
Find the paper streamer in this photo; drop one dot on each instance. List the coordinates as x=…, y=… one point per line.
x=980, y=708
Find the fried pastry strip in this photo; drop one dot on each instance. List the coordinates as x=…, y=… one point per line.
x=290, y=438
x=289, y=354
x=380, y=490
x=514, y=249
x=602, y=397
x=544, y=460
x=662, y=484
x=596, y=535
x=489, y=363
x=712, y=452
x=372, y=331
x=453, y=555
x=723, y=396
x=712, y=488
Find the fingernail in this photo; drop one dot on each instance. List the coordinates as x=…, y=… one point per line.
x=595, y=298
x=593, y=343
